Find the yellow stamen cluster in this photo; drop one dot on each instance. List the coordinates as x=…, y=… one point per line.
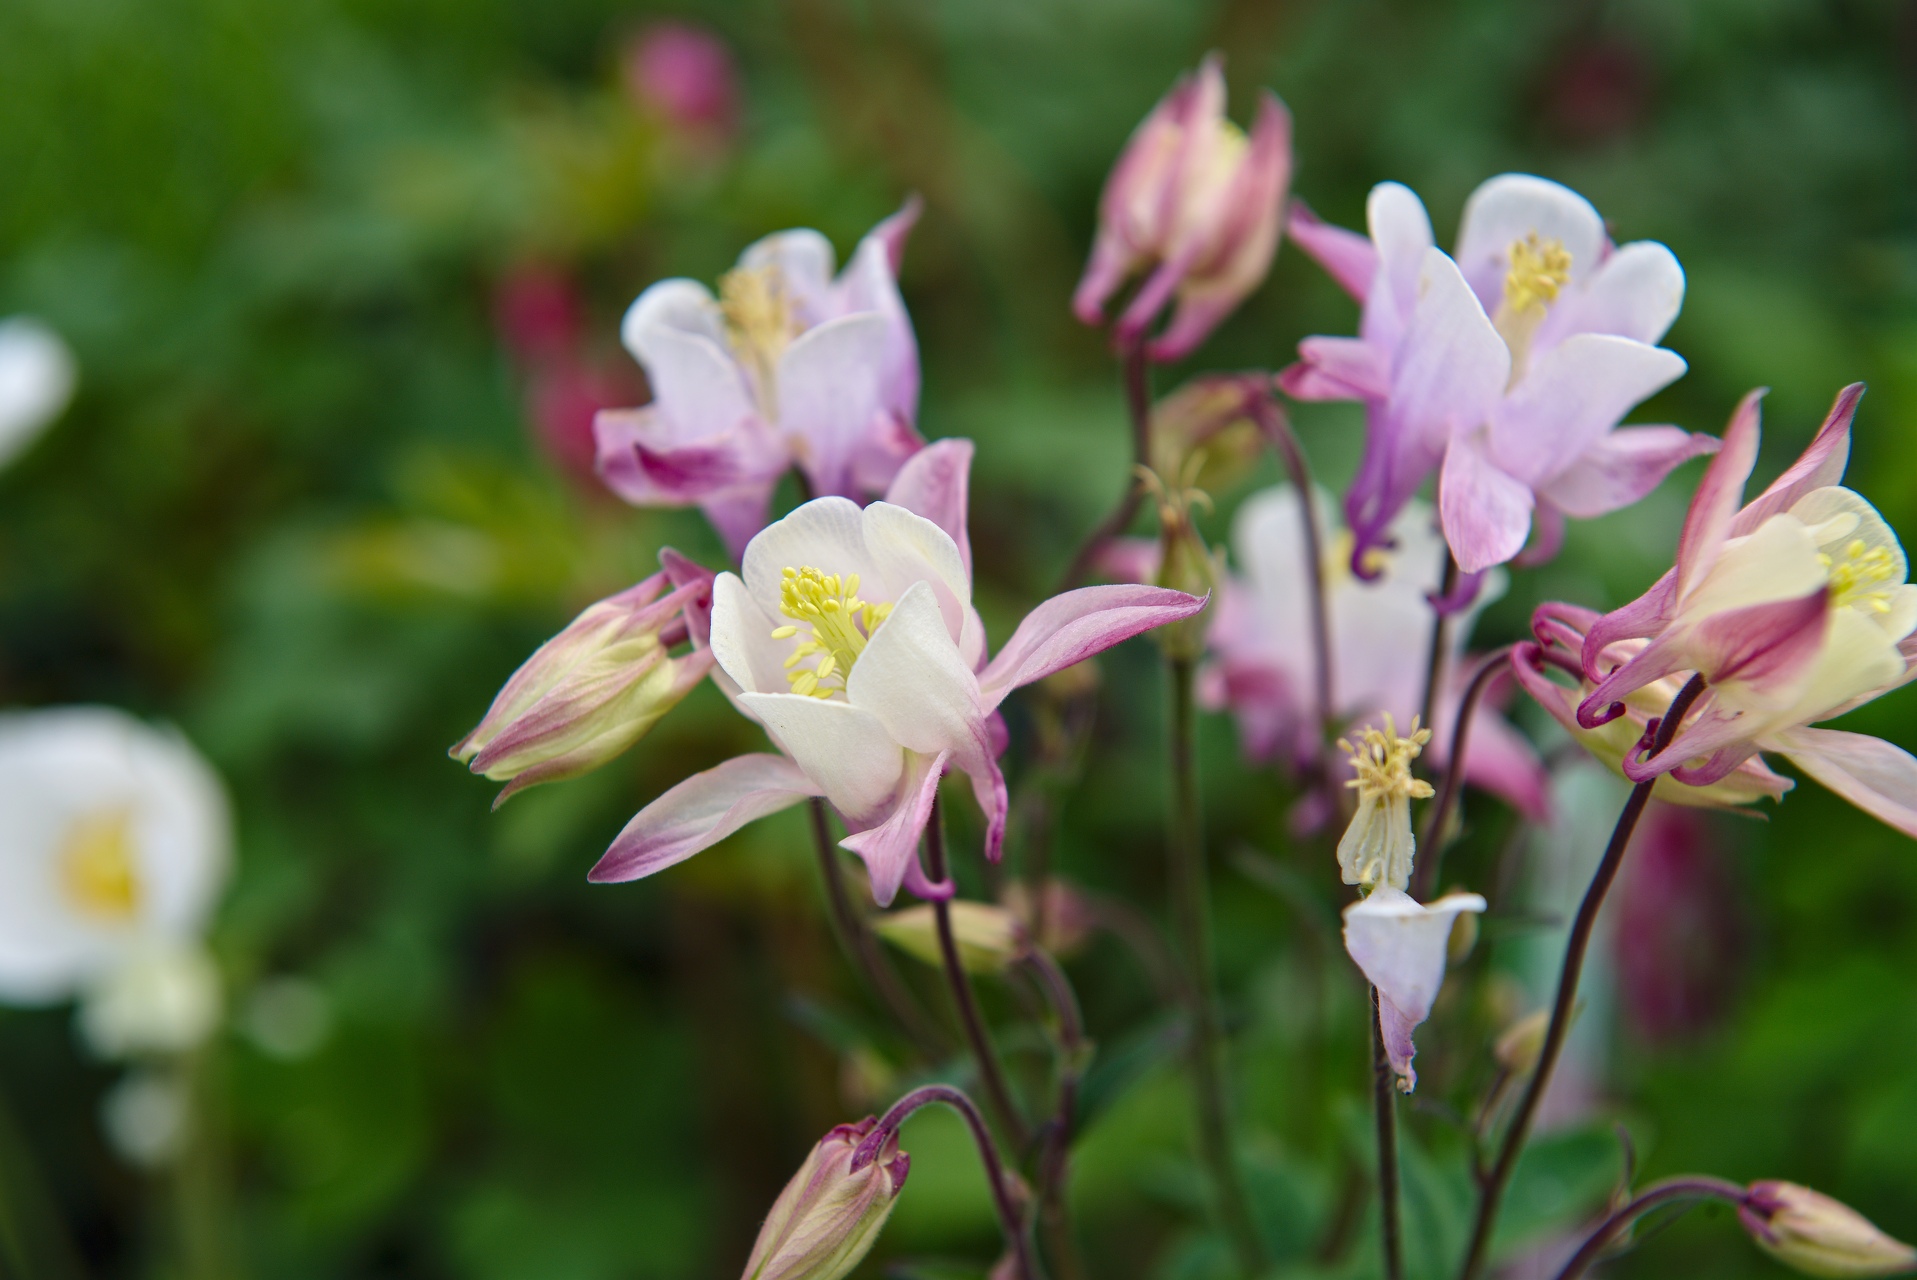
x=1382, y=761
x=1539, y=270
x=837, y=625
x=1860, y=578
x=759, y=319
x=96, y=866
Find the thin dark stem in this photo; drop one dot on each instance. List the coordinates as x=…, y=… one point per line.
x=1440, y=640
x=1384, y=1099
x=998, y=1094
x=863, y=948
x=1073, y=1049
x=1138, y=405
x=1656, y=1196
x=1491, y=1194
x=1010, y=1221
x=1277, y=430
x=1431, y=850
x=1191, y=911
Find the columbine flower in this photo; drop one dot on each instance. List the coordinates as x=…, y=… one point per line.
x=1265, y=665
x=850, y=636
x=114, y=843
x=600, y=685
x=1508, y=367
x=1195, y=203
x=1400, y=945
x=1793, y=608
x=827, y=1218
x=36, y=381
x=787, y=366
x=1377, y=848
x=1812, y=1233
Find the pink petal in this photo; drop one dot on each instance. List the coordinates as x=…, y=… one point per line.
x=1622, y=467
x=1486, y=513
x=1872, y=774
x=1336, y=369
x=1395, y=1028
x=700, y=812
x=1111, y=261
x=738, y=514
x=1821, y=465
x=1572, y=395
x=1346, y=256
x=935, y=483
x=642, y=463
x=1649, y=614
x=890, y=846
x=1072, y=627
x=1715, y=505
x=1497, y=757
x=1713, y=732
x=1394, y=465
x=1452, y=369
x=1666, y=655
x=893, y=232
x=830, y=395
x=1764, y=645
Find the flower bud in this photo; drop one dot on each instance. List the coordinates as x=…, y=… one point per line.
x=989, y=937
x=1204, y=434
x=1198, y=204
x=825, y=1221
x=1059, y=916
x=1819, y=1236
x=1522, y=1043
x=599, y=686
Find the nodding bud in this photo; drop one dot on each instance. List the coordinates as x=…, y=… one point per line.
x=600, y=685
x=1197, y=204
x=989, y=937
x=1204, y=433
x=1522, y=1043
x=1819, y=1236
x=825, y=1221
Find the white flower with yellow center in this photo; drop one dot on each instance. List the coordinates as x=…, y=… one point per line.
x=115, y=841
x=1378, y=846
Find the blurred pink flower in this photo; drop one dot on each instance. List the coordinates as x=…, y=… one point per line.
x=850, y=636
x=1677, y=932
x=537, y=312
x=787, y=367
x=1505, y=369
x=1195, y=203
x=686, y=74
x=540, y=318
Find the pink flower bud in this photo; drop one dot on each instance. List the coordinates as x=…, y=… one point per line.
x=1196, y=203
x=1812, y=1233
x=825, y=1221
x=684, y=73
x=597, y=687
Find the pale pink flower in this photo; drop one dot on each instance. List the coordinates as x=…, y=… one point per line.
x=1197, y=205
x=850, y=636
x=1506, y=370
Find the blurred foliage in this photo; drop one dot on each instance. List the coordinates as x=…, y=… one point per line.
x=299, y=509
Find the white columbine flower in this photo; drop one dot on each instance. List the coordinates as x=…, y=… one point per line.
x=115, y=840
x=1400, y=945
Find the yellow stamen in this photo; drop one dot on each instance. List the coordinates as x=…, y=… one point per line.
x=1382, y=761
x=839, y=625
x=1539, y=270
x=96, y=866
x=759, y=322
x=1858, y=579
x=1378, y=846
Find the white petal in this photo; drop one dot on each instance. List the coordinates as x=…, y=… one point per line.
x=742, y=638
x=805, y=260
x=826, y=534
x=830, y=394
x=681, y=306
x=1570, y=397
x=912, y=678
x=1400, y=945
x=1401, y=233
x=845, y=751
x=1453, y=366
x=1515, y=205
x=1635, y=293
x=695, y=382
x=906, y=548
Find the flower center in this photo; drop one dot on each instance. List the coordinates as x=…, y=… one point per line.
x=1863, y=578
x=759, y=322
x=1538, y=272
x=96, y=866
x=834, y=622
x=1336, y=563
x=1382, y=761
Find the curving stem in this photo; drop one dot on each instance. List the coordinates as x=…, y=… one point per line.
x=1073, y=1049
x=1426, y=876
x=1491, y=1192
x=1655, y=1196
x=1010, y=1221
x=1384, y=1099
x=1138, y=405
x=1434, y=673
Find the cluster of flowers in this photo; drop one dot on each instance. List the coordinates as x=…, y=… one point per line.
x=1503, y=369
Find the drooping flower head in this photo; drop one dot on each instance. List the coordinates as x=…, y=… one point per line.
x=850, y=636
x=1810, y=1232
x=829, y=1215
x=115, y=841
x=1400, y=945
x=1197, y=205
x=787, y=366
x=1793, y=608
x=1264, y=665
x=1506, y=369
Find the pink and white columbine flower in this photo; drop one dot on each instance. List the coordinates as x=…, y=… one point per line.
x=1400, y=945
x=850, y=635
x=1264, y=665
x=1793, y=608
x=1197, y=205
x=1505, y=369
x=786, y=367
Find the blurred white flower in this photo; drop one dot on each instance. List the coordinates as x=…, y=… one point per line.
x=145, y=1118
x=115, y=840
x=37, y=373
x=288, y=1018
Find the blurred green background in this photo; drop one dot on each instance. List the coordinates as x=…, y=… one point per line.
x=318, y=496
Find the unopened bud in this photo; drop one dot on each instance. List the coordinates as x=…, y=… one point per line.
x=1058, y=917
x=989, y=937
x=1204, y=434
x=1186, y=564
x=597, y=687
x=1819, y=1236
x=1522, y=1043
x=825, y=1221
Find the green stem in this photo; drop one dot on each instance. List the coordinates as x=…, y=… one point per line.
x=1054, y=1154
x=1191, y=910
x=1384, y=1099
